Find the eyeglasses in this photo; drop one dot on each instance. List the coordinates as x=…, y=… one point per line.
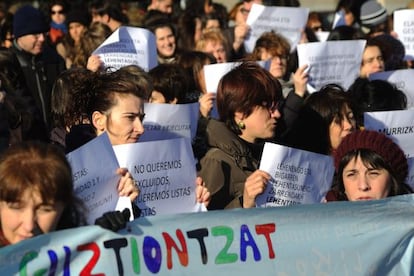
x=282, y=58
x=278, y=105
x=317, y=28
x=57, y=12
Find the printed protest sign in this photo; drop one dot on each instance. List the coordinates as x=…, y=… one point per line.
x=129, y=46
x=341, y=238
x=403, y=79
x=329, y=62
x=165, y=174
x=168, y=121
x=95, y=180
x=404, y=27
x=398, y=125
x=287, y=21
x=297, y=176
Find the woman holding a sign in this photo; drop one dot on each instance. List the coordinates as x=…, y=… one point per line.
x=369, y=166
x=274, y=47
x=247, y=101
x=115, y=106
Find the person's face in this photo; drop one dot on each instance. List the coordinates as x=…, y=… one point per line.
x=260, y=124
x=217, y=50
x=157, y=97
x=76, y=30
x=32, y=43
x=339, y=129
x=249, y=3
x=28, y=217
x=8, y=42
x=57, y=14
x=96, y=17
x=165, y=6
x=349, y=18
x=123, y=122
x=316, y=26
x=241, y=15
x=212, y=24
x=365, y=183
x=372, y=61
x=278, y=64
x=165, y=41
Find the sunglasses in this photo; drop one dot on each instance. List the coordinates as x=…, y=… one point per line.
x=57, y=12
x=244, y=11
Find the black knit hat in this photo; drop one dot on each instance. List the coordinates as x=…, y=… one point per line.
x=79, y=16
x=379, y=143
x=29, y=20
x=372, y=14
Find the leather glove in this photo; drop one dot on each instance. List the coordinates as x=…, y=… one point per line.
x=114, y=220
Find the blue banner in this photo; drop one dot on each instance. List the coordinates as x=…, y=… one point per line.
x=342, y=238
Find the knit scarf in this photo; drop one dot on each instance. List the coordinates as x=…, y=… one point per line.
x=61, y=27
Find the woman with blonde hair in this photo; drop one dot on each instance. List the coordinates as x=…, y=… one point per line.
x=92, y=38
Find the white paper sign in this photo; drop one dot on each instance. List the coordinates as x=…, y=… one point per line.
x=403, y=79
x=398, y=125
x=298, y=176
x=287, y=21
x=330, y=62
x=129, y=46
x=165, y=174
x=167, y=121
x=214, y=72
x=95, y=180
x=410, y=177
x=404, y=27
x=339, y=19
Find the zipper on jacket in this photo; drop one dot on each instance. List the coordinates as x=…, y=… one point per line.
x=39, y=90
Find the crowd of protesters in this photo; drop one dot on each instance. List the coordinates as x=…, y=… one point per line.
x=56, y=92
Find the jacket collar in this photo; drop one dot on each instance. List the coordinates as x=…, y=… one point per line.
x=219, y=136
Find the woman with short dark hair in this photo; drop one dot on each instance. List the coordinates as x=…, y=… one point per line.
x=247, y=102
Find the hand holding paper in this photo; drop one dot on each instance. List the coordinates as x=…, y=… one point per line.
x=202, y=193
x=126, y=185
x=255, y=184
x=300, y=79
x=206, y=103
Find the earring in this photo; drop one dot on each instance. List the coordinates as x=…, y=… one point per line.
x=241, y=125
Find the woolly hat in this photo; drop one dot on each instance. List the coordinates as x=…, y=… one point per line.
x=377, y=142
x=79, y=16
x=29, y=20
x=372, y=14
